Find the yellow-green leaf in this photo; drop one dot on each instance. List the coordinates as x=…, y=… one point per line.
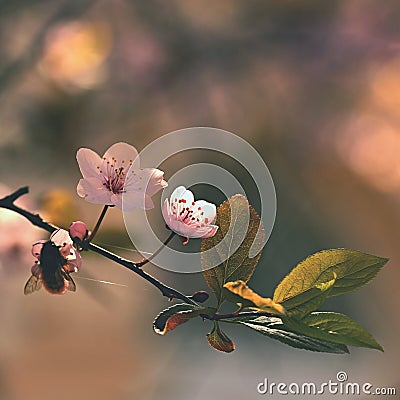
x=234, y=251
x=219, y=340
x=308, y=301
x=342, y=329
x=261, y=303
x=353, y=269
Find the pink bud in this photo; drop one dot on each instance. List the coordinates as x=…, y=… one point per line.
x=78, y=229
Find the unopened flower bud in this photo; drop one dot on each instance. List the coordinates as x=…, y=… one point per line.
x=200, y=296
x=78, y=229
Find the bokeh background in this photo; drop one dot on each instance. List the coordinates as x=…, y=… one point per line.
x=313, y=86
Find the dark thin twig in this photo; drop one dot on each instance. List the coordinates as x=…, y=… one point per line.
x=8, y=203
x=157, y=252
x=99, y=221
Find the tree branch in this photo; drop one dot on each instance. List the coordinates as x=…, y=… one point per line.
x=8, y=203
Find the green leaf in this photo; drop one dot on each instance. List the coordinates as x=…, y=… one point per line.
x=174, y=316
x=260, y=303
x=219, y=340
x=339, y=328
x=308, y=301
x=353, y=269
x=275, y=328
x=233, y=253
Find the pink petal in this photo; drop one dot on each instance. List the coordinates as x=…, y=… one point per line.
x=171, y=219
x=93, y=190
x=65, y=250
x=116, y=200
x=133, y=200
x=180, y=228
x=88, y=162
x=212, y=231
x=123, y=152
x=166, y=211
x=74, y=261
x=37, y=248
x=148, y=203
x=151, y=179
x=202, y=232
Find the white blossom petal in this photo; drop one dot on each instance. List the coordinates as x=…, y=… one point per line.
x=61, y=237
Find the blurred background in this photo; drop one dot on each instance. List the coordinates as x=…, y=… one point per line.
x=313, y=86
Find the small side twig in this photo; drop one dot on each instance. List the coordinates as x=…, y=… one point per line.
x=99, y=221
x=157, y=252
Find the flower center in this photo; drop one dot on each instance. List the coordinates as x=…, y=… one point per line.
x=114, y=175
x=189, y=215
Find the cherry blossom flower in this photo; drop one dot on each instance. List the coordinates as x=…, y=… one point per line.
x=117, y=174
x=62, y=239
x=189, y=218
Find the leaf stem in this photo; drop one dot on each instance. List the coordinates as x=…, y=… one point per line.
x=222, y=317
x=8, y=203
x=157, y=252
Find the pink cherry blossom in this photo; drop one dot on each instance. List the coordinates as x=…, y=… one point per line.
x=116, y=174
x=189, y=218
